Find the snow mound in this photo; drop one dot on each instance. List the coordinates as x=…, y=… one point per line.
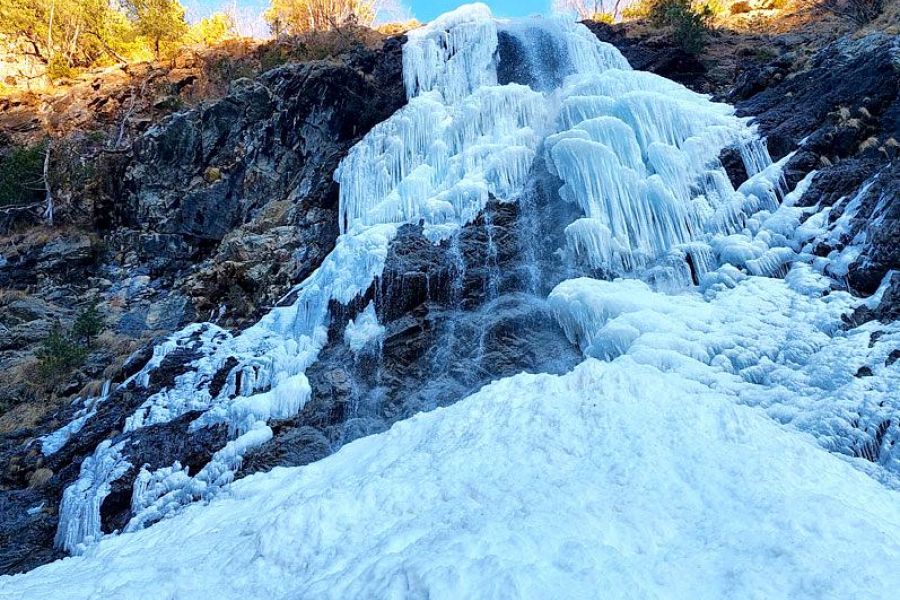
x=777, y=344
x=616, y=477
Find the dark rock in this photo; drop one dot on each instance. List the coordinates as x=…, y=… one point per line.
x=27, y=527
x=838, y=181
x=892, y=358
x=879, y=217
x=656, y=54
x=864, y=371
x=733, y=164
x=886, y=311
x=851, y=73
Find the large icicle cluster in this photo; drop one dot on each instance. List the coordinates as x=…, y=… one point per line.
x=79, y=512
x=638, y=154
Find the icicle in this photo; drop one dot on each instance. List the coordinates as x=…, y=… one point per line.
x=453, y=54
x=364, y=329
x=79, y=512
x=755, y=155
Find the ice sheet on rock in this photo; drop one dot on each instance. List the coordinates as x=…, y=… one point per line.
x=79, y=512
x=755, y=155
x=52, y=443
x=364, y=329
x=476, y=501
x=440, y=163
x=163, y=493
x=553, y=48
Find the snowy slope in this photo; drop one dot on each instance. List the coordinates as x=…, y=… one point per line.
x=615, y=480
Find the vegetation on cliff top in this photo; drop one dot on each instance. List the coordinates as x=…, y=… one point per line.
x=66, y=35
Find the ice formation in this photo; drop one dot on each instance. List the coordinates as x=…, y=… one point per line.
x=699, y=328
x=79, y=513
x=56, y=440
x=364, y=329
x=777, y=344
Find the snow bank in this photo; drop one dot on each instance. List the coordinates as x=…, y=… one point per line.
x=777, y=344
x=616, y=477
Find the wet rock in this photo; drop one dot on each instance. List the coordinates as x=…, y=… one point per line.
x=733, y=163
x=838, y=181
x=879, y=216
x=457, y=315
x=27, y=528
x=886, y=310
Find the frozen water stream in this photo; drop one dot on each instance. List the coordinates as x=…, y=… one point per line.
x=637, y=155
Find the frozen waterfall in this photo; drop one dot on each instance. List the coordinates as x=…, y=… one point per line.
x=635, y=153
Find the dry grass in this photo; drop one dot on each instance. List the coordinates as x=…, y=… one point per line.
x=390, y=29
x=34, y=402
x=119, y=347
x=40, y=477
x=8, y=296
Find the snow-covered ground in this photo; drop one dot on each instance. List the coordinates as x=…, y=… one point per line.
x=616, y=480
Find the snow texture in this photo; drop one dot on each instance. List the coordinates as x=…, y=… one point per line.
x=617, y=477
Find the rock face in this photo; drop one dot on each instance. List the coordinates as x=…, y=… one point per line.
x=215, y=211
x=842, y=117
x=859, y=76
x=246, y=182
x=657, y=54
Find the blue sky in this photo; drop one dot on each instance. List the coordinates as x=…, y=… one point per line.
x=424, y=10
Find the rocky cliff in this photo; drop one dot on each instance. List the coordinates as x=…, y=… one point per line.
x=213, y=212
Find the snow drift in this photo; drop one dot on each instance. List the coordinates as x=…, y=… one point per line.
x=615, y=479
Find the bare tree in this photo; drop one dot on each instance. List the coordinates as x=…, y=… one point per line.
x=302, y=16
x=127, y=116
x=48, y=198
